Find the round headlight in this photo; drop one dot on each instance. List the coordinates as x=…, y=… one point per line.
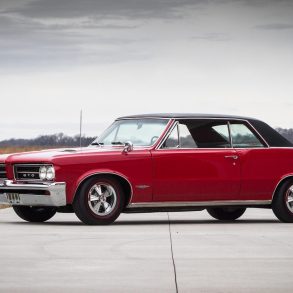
x=43, y=172
x=50, y=173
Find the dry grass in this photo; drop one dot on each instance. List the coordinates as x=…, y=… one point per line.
x=4, y=206
x=11, y=150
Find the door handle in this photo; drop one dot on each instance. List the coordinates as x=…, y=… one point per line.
x=234, y=157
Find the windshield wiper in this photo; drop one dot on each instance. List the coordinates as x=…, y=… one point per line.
x=97, y=143
x=117, y=143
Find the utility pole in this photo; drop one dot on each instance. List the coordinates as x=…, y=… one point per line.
x=80, y=127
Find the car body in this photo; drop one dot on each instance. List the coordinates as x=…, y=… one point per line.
x=157, y=162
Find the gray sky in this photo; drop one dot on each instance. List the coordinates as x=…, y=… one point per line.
x=120, y=57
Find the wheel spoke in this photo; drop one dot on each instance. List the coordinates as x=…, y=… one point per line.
x=98, y=189
x=97, y=206
x=290, y=199
x=107, y=193
x=93, y=197
x=107, y=206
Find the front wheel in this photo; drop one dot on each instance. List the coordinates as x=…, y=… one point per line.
x=99, y=201
x=34, y=214
x=283, y=202
x=226, y=214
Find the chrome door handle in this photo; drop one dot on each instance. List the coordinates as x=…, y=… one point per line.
x=234, y=157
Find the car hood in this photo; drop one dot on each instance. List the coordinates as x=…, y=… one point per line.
x=3, y=158
x=46, y=156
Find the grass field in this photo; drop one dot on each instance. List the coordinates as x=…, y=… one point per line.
x=11, y=150
x=4, y=206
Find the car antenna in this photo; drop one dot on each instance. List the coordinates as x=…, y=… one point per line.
x=80, y=127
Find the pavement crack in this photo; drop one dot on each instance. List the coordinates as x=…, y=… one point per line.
x=172, y=254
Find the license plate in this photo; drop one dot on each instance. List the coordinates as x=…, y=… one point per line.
x=13, y=198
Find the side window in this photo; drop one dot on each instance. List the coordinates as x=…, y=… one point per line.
x=198, y=133
x=243, y=137
x=211, y=134
x=173, y=139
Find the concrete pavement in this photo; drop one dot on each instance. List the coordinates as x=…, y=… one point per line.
x=252, y=254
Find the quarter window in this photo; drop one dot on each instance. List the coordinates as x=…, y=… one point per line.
x=243, y=137
x=173, y=140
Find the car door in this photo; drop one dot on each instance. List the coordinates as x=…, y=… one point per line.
x=261, y=167
x=196, y=163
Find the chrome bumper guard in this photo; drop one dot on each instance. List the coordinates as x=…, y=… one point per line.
x=41, y=194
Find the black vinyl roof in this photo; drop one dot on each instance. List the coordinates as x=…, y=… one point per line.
x=184, y=115
x=270, y=135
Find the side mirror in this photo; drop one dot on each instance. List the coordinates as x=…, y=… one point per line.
x=128, y=147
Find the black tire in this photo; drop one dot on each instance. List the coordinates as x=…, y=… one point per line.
x=84, y=207
x=35, y=214
x=226, y=214
x=279, y=205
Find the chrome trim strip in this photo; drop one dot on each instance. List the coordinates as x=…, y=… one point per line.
x=56, y=194
x=101, y=173
x=174, y=204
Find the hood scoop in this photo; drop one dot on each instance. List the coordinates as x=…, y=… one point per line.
x=69, y=150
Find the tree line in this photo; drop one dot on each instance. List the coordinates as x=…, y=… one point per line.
x=54, y=140
x=287, y=133
x=63, y=140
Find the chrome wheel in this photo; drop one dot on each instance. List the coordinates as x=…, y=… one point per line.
x=102, y=199
x=289, y=199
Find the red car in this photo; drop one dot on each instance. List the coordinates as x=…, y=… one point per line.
x=154, y=163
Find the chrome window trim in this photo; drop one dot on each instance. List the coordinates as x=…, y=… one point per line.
x=253, y=130
x=148, y=117
x=140, y=146
x=258, y=136
x=172, y=127
x=168, y=132
x=170, y=204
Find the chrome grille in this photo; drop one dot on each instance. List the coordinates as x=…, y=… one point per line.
x=27, y=172
x=3, y=174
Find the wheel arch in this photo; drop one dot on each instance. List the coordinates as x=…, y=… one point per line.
x=280, y=183
x=125, y=183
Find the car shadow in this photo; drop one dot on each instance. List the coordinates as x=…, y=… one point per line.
x=155, y=222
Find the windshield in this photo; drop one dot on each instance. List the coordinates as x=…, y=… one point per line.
x=141, y=132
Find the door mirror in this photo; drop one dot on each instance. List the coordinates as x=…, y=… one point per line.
x=128, y=147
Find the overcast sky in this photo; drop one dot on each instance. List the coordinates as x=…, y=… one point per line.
x=120, y=57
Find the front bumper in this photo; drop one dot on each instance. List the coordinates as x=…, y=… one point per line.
x=41, y=194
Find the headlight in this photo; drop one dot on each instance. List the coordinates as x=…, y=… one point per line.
x=50, y=173
x=47, y=173
x=43, y=172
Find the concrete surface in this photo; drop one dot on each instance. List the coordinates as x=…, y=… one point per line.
x=134, y=254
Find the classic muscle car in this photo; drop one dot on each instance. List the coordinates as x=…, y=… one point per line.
x=153, y=163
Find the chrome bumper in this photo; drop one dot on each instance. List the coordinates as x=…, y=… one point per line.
x=41, y=194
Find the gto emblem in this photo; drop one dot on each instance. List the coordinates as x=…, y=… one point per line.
x=29, y=175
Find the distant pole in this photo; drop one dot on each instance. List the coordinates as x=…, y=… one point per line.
x=80, y=127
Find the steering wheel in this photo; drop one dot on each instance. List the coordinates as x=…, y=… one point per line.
x=154, y=139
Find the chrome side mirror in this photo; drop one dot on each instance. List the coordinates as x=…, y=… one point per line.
x=128, y=147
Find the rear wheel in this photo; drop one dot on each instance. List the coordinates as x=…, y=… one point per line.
x=226, y=214
x=34, y=214
x=283, y=202
x=99, y=201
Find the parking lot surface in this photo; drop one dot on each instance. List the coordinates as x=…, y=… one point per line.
x=160, y=252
